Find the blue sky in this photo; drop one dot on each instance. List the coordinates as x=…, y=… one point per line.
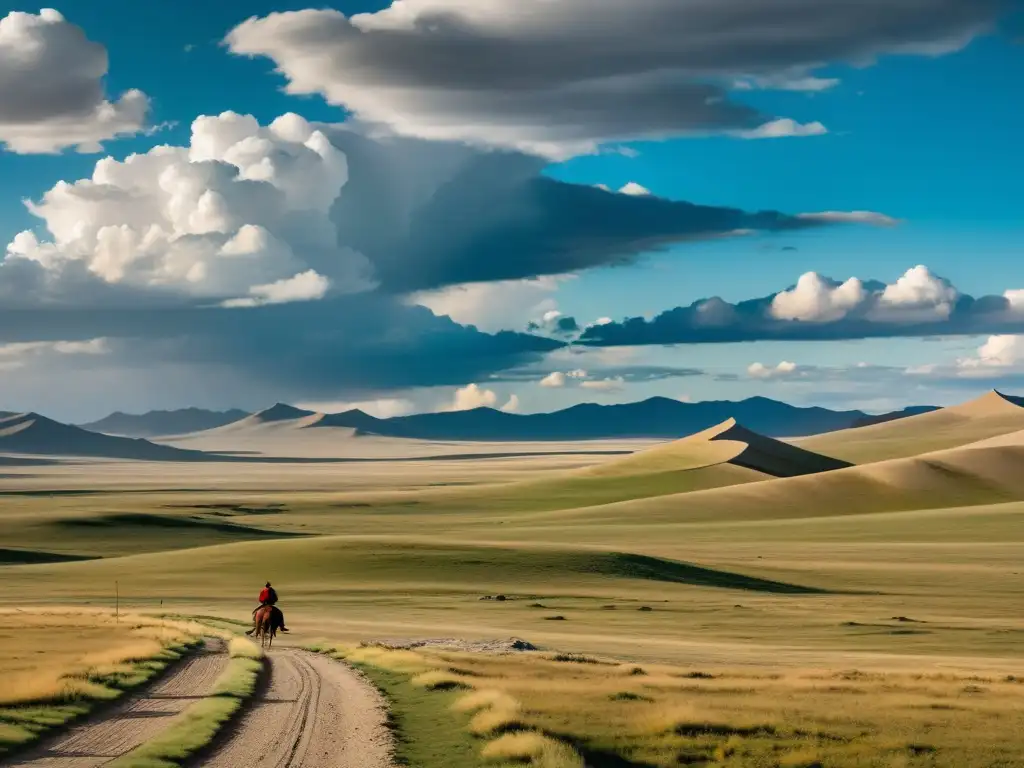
x=930, y=140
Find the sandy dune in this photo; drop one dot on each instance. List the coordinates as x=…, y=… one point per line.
x=725, y=443
x=287, y=432
x=956, y=477
x=986, y=417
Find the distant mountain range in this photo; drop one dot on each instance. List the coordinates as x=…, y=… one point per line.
x=163, y=423
x=657, y=417
x=914, y=410
x=34, y=435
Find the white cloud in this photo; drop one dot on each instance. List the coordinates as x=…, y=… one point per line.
x=611, y=384
x=243, y=211
x=782, y=82
x=784, y=128
x=1016, y=300
x=635, y=190
x=1002, y=351
x=816, y=299
x=555, y=380
x=851, y=217
x=473, y=396
x=558, y=379
x=512, y=406
x=493, y=306
x=51, y=88
x=762, y=371
x=306, y=286
x=20, y=354
x=919, y=294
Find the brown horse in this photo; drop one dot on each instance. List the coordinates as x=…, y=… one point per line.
x=266, y=625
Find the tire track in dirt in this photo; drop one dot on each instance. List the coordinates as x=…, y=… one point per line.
x=314, y=713
x=139, y=718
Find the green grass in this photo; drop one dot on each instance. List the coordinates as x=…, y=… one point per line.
x=197, y=726
x=427, y=734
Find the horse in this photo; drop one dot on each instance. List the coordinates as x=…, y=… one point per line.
x=267, y=624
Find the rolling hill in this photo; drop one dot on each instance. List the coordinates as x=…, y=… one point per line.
x=725, y=443
x=725, y=455
x=986, y=417
x=957, y=477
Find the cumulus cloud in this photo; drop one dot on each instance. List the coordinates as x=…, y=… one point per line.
x=284, y=257
x=512, y=406
x=243, y=211
x=762, y=371
x=1001, y=351
x=818, y=308
x=610, y=384
x=474, y=396
x=554, y=380
x=634, y=189
x=816, y=299
x=558, y=78
x=51, y=88
x=784, y=128
x=306, y=286
x=492, y=306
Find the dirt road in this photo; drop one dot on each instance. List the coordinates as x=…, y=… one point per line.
x=139, y=718
x=314, y=713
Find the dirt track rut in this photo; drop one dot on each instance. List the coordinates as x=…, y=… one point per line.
x=314, y=713
x=139, y=718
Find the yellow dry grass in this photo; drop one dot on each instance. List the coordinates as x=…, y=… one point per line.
x=56, y=656
x=533, y=705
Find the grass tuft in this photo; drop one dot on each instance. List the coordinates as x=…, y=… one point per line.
x=534, y=748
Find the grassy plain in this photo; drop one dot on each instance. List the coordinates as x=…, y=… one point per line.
x=867, y=616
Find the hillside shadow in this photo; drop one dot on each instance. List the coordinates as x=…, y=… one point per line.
x=625, y=565
x=35, y=557
x=129, y=520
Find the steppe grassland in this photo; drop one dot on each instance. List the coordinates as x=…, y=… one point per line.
x=56, y=665
x=793, y=613
x=560, y=710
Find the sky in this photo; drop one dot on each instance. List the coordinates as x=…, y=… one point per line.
x=436, y=204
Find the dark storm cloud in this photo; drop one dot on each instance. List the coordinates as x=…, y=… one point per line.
x=431, y=215
x=357, y=343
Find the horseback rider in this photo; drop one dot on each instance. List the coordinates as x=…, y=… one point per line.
x=268, y=596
